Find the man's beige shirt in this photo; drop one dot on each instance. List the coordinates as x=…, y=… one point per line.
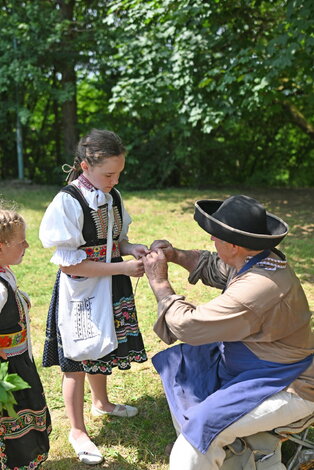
x=266, y=309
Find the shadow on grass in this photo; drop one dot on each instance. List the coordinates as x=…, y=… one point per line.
x=74, y=464
x=145, y=435
x=128, y=444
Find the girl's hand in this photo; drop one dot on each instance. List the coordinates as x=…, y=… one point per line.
x=3, y=355
x=134, y=268
x=138, y=250
x=165, y=246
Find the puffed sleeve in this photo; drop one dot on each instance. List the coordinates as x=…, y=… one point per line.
x=61, y=227
x=126, y=221
x=3, y=296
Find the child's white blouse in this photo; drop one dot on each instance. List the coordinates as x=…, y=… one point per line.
x=62, y=225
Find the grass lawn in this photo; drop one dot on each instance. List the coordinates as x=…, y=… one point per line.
x=139, y=443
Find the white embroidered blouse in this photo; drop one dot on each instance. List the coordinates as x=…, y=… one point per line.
x=62, y=224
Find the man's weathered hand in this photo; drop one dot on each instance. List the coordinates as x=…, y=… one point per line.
x=155, y=264
x=165, y=246
x=156, y=269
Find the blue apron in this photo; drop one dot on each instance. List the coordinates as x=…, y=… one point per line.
x=209, y=387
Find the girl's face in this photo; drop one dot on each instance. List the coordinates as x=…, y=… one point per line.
x=105, y=175
x=12, y=252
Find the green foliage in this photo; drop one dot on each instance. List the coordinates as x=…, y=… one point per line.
x=199, y=91
x=9, y=383
x=213, y=73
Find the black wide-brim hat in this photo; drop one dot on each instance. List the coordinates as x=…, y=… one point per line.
x=242, y=221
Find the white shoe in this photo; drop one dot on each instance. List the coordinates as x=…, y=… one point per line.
x=123, y=411
x=86, y=450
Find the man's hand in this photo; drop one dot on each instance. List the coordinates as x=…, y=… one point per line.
x=156, y=269
x=155, y=264
x=166, y=247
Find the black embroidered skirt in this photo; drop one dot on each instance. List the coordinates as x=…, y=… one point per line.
x=130, y=343
x=24, y=441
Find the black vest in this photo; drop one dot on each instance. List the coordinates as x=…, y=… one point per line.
x=9, y=315
x=89, y=231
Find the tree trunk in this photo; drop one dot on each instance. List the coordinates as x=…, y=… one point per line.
x=68, y=83
x=69, y=116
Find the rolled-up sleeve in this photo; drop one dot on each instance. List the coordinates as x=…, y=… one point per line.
x=211, y=270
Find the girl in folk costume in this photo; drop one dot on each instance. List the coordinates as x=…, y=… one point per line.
x=24, y=440
x=92, y=322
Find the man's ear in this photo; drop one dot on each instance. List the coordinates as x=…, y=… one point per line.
x=236, y=249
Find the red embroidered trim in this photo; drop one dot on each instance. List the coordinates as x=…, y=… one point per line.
x=13, y=339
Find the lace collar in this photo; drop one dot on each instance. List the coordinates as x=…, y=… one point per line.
x=94, y=197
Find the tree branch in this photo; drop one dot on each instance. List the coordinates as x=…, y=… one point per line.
x=298, y=119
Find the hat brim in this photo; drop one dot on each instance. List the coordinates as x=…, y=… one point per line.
x=276, y=227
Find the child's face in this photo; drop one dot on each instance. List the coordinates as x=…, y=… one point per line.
x=105, y=175
x=12, y=252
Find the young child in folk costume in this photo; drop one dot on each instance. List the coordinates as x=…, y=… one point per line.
x=24, y=440
x=92, y=322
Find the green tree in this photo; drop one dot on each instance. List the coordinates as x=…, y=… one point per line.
x=39, y=78
x=199, y=91
x=217, y=68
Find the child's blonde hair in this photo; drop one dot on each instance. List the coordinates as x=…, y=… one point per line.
x=10, y=220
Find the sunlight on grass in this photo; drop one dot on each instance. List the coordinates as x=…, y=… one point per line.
x=139, y=443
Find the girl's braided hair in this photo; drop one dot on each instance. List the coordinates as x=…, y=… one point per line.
x=94, y=148
x=10, y=220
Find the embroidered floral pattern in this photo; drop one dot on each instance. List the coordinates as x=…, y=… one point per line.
x=19, y=300
x=15, y=343
x=117, y=224
x=123, y=363
x=126, y=326
x=13, y=339
x=31, y=466
x=125, y=318
x=13, y=428
x=98, y=253
x=100, y=218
